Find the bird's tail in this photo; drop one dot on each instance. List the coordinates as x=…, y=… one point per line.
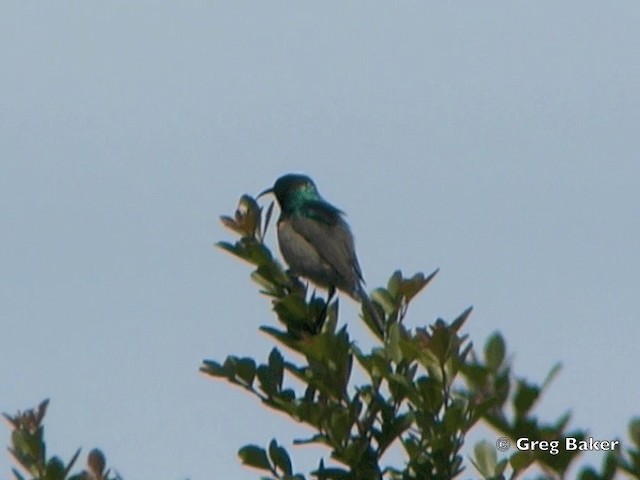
x=371, y=315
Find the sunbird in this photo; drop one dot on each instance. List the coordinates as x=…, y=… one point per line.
x=316, y=242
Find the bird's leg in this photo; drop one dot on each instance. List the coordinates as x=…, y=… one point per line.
x=296, y=284
x=330, y=294
x=325, y=309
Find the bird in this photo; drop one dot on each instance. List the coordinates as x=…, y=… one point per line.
x=316, y=241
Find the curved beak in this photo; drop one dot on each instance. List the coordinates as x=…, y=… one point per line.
x=264, y=192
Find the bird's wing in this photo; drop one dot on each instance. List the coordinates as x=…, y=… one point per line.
x=331, y=237
x=322, y=211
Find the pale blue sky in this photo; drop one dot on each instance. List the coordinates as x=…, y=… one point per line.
x=498, y=141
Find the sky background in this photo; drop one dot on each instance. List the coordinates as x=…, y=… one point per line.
x=498, y=141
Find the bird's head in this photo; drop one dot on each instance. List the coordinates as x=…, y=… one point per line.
x=291, y=189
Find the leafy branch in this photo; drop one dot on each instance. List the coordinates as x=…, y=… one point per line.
x=425, y=388
x=29, y=451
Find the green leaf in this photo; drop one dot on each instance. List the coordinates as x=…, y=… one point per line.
x=399, y=387
x=330, y=361
x=280, y=457
x=248, y=215
x=256, y=253
x=525, y=396
x=589, y=473
x=454, y=417
x=375, y=364
x=440, y=342
x=246, y=370
x=485, y=458
x=267, y=383
x=501, y=466
x=230, y=248
x=521, y=460
x=276, y=367
x=233, y=366
x=411, y=287
x=41, y=410
x=230, y=223
x=431, y=393
x=459, y=321
x=477, y=375
x=332, y=473
x=393, y=428
x=23, y=445
x=69, y=466
x=292, y=310
x=610, y=466
x=331, y=319
x=254, y=456
x=634, y=431
x=562, y=422
x=394, y=283
x=55, y=469
x=17, y=474
x=410, y=346
x=383, y=298
x=213, y=368
x=317, y=438
x=273, y=272
x=555, y=370
x=494, y=352
x=339, y=425
x=392, y=343
x=261, y=279
x=248, y=249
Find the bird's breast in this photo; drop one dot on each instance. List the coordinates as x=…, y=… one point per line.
x=302, y=257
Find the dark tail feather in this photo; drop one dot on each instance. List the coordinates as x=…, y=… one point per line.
x=370, y=310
